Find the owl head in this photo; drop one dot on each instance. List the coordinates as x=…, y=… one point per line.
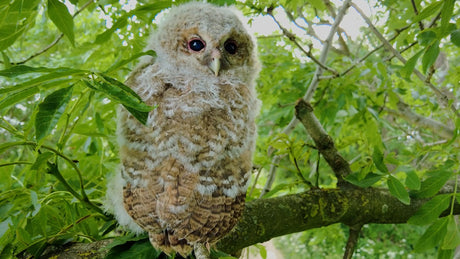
x=205, y=39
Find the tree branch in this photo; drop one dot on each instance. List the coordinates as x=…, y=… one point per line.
x=324, y=143
x=436, y=127
x=310, y=91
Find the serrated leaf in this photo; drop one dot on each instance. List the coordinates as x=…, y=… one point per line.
x=59, y=14
x=431, y=210
x=430, y=56
x=397, y=189
x=432, y=236
x=408, y=68
x=50, y=110
x=433, y=184
x=367, y=181
x=452, y=237
x=377, y=158
x=455, y=37
x=412, y=180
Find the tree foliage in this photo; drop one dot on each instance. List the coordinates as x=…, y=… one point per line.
x=378, y=118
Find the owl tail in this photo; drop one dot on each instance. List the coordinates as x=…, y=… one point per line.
x=168, y=243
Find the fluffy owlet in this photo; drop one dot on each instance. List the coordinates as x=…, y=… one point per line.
x=184, y=175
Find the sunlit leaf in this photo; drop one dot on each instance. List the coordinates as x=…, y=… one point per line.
x=433, y=184
x=61, y=17
x=431, y=210
x=50, y=110
x=16, y=17
x=397, y=189
x=428, y=11
x=412, y=180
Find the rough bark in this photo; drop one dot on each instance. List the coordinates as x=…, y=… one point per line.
x=264, y=219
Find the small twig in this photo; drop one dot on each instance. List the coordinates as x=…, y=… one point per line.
x=310, y=90
x=414, y=6
x=352, y=241
x=308, y=53
x=52, y=44
x=444, y=99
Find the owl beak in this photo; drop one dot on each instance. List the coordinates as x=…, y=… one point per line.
x=214, y=65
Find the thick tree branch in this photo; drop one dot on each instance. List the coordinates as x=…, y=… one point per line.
x=436, y=127
x=324, y=143
x=264, y=219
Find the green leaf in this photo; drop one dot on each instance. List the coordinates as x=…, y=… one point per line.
x=50, y=110
x=262, y=251
x=428, y=11
x=426, y=37
x=433, y=184
x=23, y=69
x=367, y=181
x=455, y=37
x=16, y=97
x=377, y=157
x=431, y=210
x=41, y=161
x=397, y=189
x=141, y=249
x=408, y=68
x=452, y=237
x=446, y=14
x=430, y=56
x=432, y=236
x=412, y=180
x=121, y=93
x=61, y=17
x=16, y=17
x=446, y=254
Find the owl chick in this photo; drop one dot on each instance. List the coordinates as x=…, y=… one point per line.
x=184, y=175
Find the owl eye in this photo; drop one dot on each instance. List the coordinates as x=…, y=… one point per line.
x=230, y=46
x=196, y=45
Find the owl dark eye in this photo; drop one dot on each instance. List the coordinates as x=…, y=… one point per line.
x=196, y=45
x=230, y=47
